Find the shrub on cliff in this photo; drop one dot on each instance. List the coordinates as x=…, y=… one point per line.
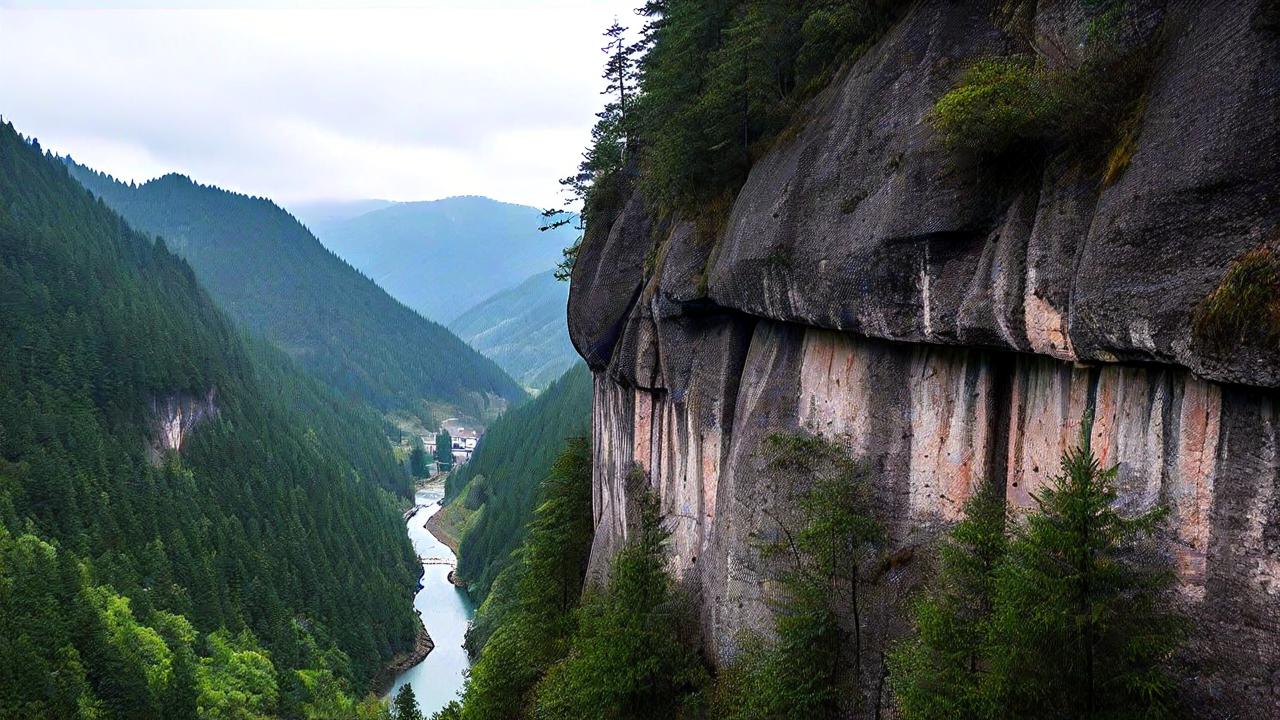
x=1079, y=624
x=813, y=665
x=1245, y=306
x=1047, y=102
x=999, y=102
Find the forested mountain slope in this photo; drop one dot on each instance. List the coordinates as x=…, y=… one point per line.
x=185, y=517
x=502, y=478
x=441, y=257
x=268, y=272
x=523, y=330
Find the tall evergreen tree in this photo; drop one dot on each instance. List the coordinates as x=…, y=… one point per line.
x=405, y=706
x=938, y=672
x=522, y=628
x=1082, y=626
x=631, y=655
x=812, y=668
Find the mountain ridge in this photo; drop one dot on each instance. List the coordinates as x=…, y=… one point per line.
x=523, y=329
x=442, y=257
x=275, y=277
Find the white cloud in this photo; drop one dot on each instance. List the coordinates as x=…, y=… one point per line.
x=405, y=101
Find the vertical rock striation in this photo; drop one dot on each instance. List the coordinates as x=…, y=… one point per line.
x=948, y=325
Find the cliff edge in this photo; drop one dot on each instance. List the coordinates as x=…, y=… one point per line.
x=949, y=319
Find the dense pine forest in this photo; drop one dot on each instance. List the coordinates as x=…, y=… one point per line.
x=500, y=483
x=271, y=274
x=260, y=570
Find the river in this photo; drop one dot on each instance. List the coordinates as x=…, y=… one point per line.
x=445, y=611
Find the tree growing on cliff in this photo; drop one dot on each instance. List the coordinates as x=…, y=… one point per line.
x=938, y=672
x=1082, y=625
x=815, y=662
x=631, y=655
x=1065, y=616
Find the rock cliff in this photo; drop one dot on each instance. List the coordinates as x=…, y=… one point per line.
x=173, y=417
x=950, y=323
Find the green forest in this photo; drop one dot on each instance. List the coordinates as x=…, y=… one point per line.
x=274, y=277
x=500, y=483
x=260, y=571
x=705, y=91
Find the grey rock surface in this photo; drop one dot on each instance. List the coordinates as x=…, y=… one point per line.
x=949, y=322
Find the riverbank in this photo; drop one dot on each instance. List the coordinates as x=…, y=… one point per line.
x=422, y=647
x=436, y=528
x=433, y=526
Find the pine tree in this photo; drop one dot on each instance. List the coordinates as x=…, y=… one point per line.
x=814, y=664
x=937, y=673
x=631, y=656
x=1082, y=626
x=444, y=450
x=405, y=706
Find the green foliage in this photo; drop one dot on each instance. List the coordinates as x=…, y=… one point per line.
x=327, y=699
x=418, y=459
x=999, y=103
x=1083, y=623
x=514, y=456
x=524, y=625
x=405, y=706
x=1066, y=615
x=938, y=673
x=722, y=79
x=811, y=668
x=120, y=559
x=1019, y=102
x=1245, y=306
x=444, y=451
x=716, y=83
x=237, y=680
x=629, y=656
x=273, y=277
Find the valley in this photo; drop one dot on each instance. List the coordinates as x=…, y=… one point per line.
x=874, y=360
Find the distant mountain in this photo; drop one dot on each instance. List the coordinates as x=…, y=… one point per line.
x=273, y=276
x=442, y=257
x=523, y=329
x=327, y=212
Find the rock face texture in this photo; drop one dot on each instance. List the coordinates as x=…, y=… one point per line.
x=173, y=417
x=949, y=324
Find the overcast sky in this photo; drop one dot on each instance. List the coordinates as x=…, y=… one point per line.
x=318, y=100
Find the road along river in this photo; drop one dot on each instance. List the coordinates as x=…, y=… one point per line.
x=445, y=611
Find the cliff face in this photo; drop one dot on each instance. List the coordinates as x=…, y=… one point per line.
x=948, y=323
x=173, y=417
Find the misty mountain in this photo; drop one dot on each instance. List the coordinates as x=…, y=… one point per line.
x=326, y=212
x=523, y=329
x=442, y=257
x=271, y=274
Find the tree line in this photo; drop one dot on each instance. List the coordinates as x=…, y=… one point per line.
x=262, y=571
